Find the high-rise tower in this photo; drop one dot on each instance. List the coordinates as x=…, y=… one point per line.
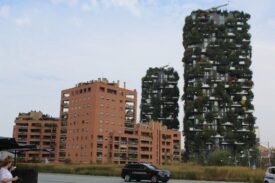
x=160, y=95
x=218, y=81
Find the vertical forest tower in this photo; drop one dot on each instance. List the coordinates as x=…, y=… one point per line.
x=160, y=95
x=218, y=81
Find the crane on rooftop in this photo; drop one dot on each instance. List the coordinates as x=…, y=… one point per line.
x=218, y=7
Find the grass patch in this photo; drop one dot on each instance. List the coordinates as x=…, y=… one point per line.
x=181, y=171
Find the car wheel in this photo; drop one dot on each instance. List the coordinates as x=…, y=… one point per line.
x=138, y=180
x=154, y=179
x=127, y=178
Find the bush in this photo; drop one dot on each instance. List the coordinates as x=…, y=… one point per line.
x=219, y=158
x=67, y=161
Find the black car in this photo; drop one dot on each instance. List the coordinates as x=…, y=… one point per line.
x=144, y=171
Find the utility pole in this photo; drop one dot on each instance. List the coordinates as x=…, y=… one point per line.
x=269, y=154
x=248, y=157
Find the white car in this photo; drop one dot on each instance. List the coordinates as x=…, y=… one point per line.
x=270, y=175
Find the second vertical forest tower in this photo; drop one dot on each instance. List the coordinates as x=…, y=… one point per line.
x=218, y=82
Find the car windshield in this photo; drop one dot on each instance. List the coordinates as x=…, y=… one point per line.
x=151, y=166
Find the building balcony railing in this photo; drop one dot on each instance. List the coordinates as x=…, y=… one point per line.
x=133, y=159
x=145, y=152
x=129, y=128
x=129, y=106
x=23, y=127
x=132, y=151
x=123, y=151
x=144, y=159
x=65, y=105
x=22, y=139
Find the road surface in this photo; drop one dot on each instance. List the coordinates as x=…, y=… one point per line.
x=64, y=178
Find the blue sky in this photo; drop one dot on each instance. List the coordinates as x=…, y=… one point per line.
x=50, y=45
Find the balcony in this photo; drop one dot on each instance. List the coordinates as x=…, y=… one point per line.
x=129, y=114
x=99, y=140
x=22, y=127
x=123, y=151
x=132, y=143
x=133, y=159
x=129, y=128
x=127, y=106
x=132, y=151
x=123, y=142
x=65, y=105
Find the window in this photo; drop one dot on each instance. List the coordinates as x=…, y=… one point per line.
x=111, y=91
x=66, y=94
x=102, y=89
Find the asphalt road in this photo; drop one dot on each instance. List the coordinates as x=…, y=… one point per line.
x=63, y=178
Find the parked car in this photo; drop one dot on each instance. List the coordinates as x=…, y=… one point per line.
x=144, y=171
x=270, y=175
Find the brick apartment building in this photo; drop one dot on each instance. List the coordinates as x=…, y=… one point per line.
x=39, y=129
x=98, y=125
x=151, y=142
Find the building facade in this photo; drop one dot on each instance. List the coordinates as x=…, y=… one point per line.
x=98, y=125
x=217, y=83
x=90, y=110
x=38, y=129
x=151, y=143
x=160, y=95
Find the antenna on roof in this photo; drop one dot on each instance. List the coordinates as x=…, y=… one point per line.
x=218, y=7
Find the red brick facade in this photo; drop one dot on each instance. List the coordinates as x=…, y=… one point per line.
x=98, y=125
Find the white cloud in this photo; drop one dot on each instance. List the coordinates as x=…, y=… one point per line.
x=86, y=7
x=94, y=2
x=23, y=21
x=5, y=11
x=131, y=5
x=69, y=2
x=72, y=2
x=56, y=2
x=271, y=23
x=76, y=21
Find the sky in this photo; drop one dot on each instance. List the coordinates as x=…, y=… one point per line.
x=50, y=45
